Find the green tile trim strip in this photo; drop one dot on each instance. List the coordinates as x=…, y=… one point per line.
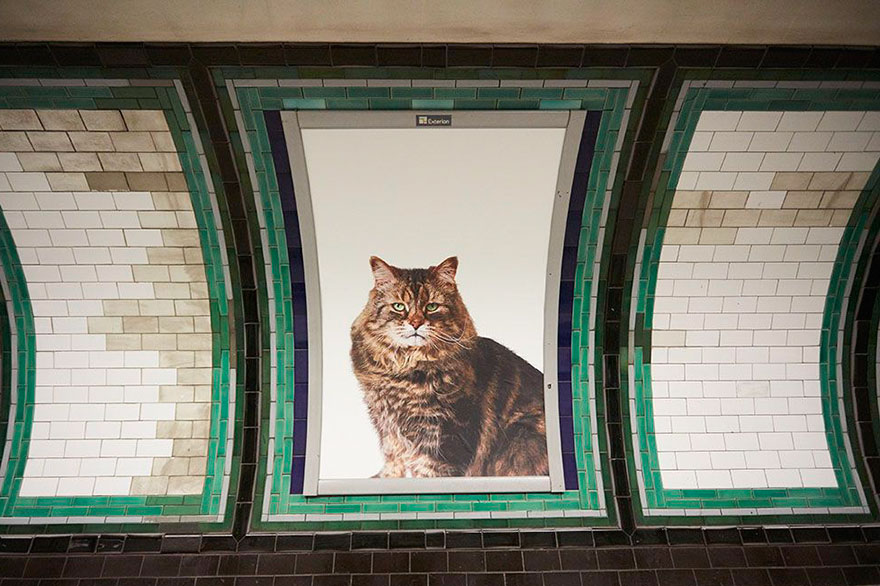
x=124, y=513
x=845, y=502
x=245, y=100
x=8, y=362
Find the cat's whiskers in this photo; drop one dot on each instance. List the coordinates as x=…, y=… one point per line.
x=447, y=338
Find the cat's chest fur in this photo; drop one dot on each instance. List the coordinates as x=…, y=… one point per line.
x=417, y=406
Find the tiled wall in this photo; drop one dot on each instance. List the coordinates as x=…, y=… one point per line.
x=117, y=290
x=735, y=409
x=269, y=175
x=116, y=279
x=755, y=227
x=744, y=272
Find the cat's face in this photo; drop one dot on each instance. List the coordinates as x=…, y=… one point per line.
x=417, y=308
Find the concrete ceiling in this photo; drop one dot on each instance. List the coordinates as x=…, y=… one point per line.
x=834, y=22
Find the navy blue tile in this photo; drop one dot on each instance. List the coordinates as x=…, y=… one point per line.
x=569, y=471
x=566, y=429
x=299, y=438
x=300, y=400
x=298, y=475
x=301, y=365
x=569, y=261
x=572, y=229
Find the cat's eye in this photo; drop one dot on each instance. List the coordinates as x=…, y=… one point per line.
x=432, y=307
x=398, y=307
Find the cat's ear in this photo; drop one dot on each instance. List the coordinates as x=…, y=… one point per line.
x=446, y=269
x=383, y=272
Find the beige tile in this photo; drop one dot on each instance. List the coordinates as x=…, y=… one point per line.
x=677, y=217
x=802, y=200
x=189, y=448
x=193, y=256
x=67, y=181
x=187, y=273
x=840, y=217
x=102, y=119
x=197, y=466
x=191, y=307
x=170, y=466
x=813, y=218
x=91, y=141
x=158, y=219
x=839, y=199
x=858, y=181
x=177, y=359
x=691, y=199
x=105, y=325
x=164, y=141
x=149, y=485
x=718, y=236
x=159, y=341
x=203, y=392
x=156, y=307
x=195, y=341
x=787, y=181
x=72, y=162
x=39, y=162
x=120, y=161
x=741, y=218
x=194, y=376
x=829, y=181
x=174, y=429
x=60, y=119
x=50, y=141
x=14, y=141
x=19, y=120
x=185, y=484
x=121, y=307
x=150, y=273
x=729, y=200
x=140, y=325
x=176, y=181
x=777, y=218
x=201, y=429
x=702, y=218
x=165, y=256
x=160, y=161
x=123, y=342
x=202, y=323
x=176, y=325
x=176, y=393
x=132, y=142
x=682, y=236
x=198, y=290
x=107, y=181
x=181, y=238
x=172, y=201
x=147, y=181
x=193, y=411
x=186, y=220
x=145, y=120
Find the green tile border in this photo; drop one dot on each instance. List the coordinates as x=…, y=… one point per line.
x=284, y=511
x=660, y=505
x=211, y=509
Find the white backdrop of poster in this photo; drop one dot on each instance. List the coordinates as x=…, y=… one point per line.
x=415, y=197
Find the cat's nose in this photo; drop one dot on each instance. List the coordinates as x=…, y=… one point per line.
x=416, y=321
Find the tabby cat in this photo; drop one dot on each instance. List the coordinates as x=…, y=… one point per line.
x=444, y=401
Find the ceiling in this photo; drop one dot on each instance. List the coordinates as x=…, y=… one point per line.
x=832, y=22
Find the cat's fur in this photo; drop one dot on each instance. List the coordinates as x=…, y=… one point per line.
x=448, y=402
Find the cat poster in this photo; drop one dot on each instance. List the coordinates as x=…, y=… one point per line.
x=432, y=269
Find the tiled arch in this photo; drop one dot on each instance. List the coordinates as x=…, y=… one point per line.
x=743, y=211
x=121, y=382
